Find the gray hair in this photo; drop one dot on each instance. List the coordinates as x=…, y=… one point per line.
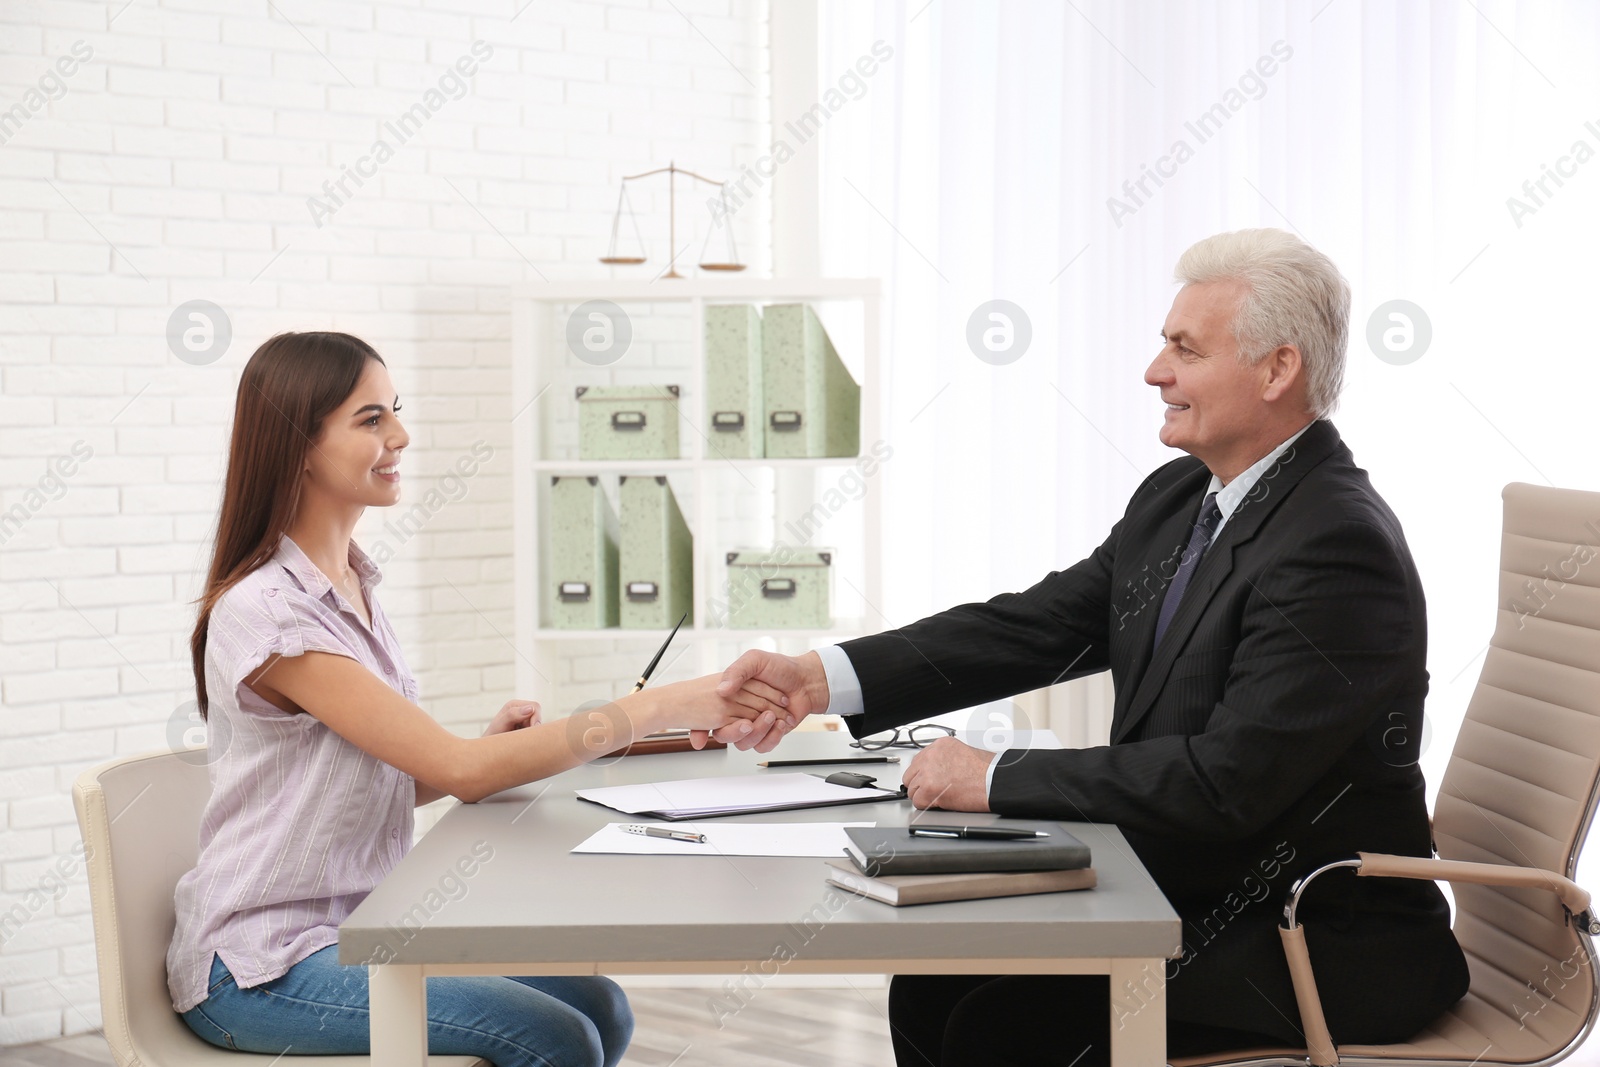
x=1294, y=295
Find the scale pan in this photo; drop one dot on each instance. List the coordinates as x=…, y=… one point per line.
x=722, y=266
x=622, y=260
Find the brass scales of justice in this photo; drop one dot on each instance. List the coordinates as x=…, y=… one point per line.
x=671, y=170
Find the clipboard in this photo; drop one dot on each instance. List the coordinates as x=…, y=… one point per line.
x=879, y=795
x=666, y=741
x=627, y=800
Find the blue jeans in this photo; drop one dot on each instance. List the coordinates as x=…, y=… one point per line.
x=320, y=1007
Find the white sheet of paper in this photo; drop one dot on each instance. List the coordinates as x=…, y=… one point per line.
x=826, y=839
x=705, y=796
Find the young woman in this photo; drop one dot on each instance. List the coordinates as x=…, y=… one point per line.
x=319, y=753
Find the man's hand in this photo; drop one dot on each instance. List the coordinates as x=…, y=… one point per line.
x=516, y=715
x=950, y=775
x=801, y=681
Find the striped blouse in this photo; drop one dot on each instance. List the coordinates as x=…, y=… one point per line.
x=301, y=824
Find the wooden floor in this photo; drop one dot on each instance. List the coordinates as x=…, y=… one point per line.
x=673, y=1028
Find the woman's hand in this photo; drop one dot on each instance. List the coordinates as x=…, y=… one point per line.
x=698, y=705
x=516, y=715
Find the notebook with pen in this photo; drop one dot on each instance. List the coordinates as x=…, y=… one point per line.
x=890, y=850
x=740, y=794
x=903, y=889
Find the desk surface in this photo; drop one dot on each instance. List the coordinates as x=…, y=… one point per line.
x=529, y=899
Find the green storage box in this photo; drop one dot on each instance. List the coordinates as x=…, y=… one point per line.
x=812, y=404
x=627, y=421
x=657, y=570
x=734, y=422
x=779, y=589
x=581, y=590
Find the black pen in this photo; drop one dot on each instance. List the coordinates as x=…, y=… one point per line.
x=829, y=762
x=976, y=833
x=645, y=677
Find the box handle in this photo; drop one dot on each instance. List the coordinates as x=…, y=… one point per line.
x=643, y=591
x=785, y=421
x=627, y=421
x=572, y=592
x=777, y=587
x=727, y=421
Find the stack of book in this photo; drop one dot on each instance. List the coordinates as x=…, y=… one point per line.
x=927, y=862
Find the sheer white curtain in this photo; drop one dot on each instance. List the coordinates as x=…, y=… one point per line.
x=977, y=162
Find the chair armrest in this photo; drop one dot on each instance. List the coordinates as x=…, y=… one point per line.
x=1573, y=897
x=1319, y=1043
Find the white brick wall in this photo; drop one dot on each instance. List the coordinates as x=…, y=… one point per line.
x=177, y=165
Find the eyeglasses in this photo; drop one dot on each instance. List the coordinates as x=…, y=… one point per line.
x=919, y=736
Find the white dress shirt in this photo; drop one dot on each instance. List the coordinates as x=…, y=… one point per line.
x=844, y=687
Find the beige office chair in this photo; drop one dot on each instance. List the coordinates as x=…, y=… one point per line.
x=140, y=818
x=1514, y=807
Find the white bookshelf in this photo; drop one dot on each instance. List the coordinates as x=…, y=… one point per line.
x=539, y=362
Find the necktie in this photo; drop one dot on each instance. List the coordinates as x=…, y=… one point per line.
x=1199, y=541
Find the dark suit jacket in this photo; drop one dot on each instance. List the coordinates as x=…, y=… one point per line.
x=1275, y=728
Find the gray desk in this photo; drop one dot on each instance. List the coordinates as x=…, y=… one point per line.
x=493, y=889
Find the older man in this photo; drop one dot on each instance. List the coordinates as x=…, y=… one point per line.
x=1264, y=625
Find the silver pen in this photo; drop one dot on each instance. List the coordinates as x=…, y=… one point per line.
x=659, y=831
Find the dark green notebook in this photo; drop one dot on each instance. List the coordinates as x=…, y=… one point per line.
x=890, y=850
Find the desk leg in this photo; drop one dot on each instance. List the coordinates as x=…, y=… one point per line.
x=398, y=997
x=1138, y=1013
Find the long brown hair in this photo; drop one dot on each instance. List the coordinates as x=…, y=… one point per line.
x=289, y=386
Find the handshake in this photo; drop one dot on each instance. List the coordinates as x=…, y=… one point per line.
x=769, y=695
x=763, y=696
